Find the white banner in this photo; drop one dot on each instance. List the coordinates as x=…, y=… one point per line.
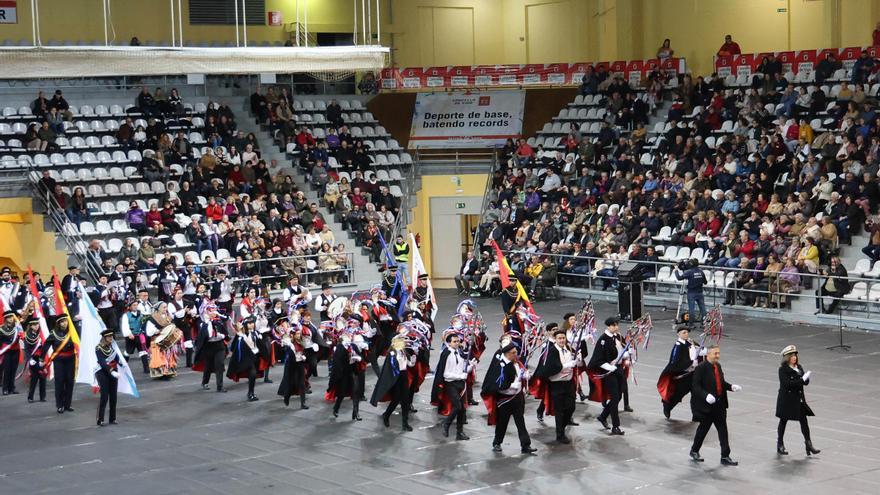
x=466, y=119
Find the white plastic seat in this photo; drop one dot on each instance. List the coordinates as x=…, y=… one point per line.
x=664, y=234
x=78, y=142
x=114, y=245
x=103, y=227
x=670, y=254
x=113, y=190
x=85, y=174
x=108, y=208
x=96, y=191
x=57, y=159
x=862, y=267
x=90, y=157
x=120, y=226
x=105, y=157
x=87, y=228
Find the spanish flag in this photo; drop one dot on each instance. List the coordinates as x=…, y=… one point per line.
x=505, y=274
x=61, y=308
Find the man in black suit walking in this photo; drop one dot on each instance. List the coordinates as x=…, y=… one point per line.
x=709, y=404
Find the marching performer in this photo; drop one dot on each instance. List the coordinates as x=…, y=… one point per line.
x=322, y=302
x=32, y=357
x=245, y=355
x=295, y=378
x=791, y=404
x=384, y=316
x=448, y=391
x=267, y=350
x=182, y=313
x=676, y=378
x=136, y=340
x=606, y=375
x=295, y=294
x=393, y=287
x=709, y=404
x=10, y=351
x=347, y=369
x=393, y=385
x=579, y=341
x=210, y=347
x=107, y=375
x=164, y=337
x=556, y=369
x=503, y=395
x=223, y=294
x=63, y=360
x=422, y=297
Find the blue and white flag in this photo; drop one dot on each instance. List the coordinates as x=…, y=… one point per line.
x=92, y=326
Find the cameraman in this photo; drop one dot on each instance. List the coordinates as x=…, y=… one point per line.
x=690, y=270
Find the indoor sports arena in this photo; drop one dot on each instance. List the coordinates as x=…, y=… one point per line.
x=439, y=246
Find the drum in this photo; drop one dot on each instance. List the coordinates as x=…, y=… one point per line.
x=168, y=336
x=337, y=307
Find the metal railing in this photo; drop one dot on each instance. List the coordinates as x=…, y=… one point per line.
x=663, y=283
x=273, y=272
x=64, y=228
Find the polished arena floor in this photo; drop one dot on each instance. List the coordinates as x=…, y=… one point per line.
x=178, y=439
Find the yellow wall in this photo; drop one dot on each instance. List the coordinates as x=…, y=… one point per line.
x=464, y=32
x=440, y=185
x=25, y=241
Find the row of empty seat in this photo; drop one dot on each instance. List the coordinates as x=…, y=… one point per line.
x=25, y=111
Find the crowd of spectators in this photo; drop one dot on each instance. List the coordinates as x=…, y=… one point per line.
x=769, y=195
x=363, y=205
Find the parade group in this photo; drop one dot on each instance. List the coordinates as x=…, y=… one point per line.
x=390, y=329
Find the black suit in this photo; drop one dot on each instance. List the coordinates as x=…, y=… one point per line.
x=679, y=374
x=704, y=384
x=791, y=404
x=613, y=382
x=561, y=392
x=501, y=376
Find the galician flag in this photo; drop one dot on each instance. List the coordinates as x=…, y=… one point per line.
x=418, y=268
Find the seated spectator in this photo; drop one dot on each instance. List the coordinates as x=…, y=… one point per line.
x=136, y=218
x=729, y=47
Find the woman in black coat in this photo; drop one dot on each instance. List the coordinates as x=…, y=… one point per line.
x=791, y=403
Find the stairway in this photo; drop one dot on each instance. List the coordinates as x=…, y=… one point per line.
x=365, y=272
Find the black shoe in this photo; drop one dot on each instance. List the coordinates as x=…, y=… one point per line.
x=407, y=427
x=810, y=449
x=583, y=397
x=267, y=381
x=356, y=417
x=695, y=456
x=385, y=421
x=42, y=400
x=564, y=440
x=413, y=410
x=100, y=423
x=221, y=390
x=113, y=422
x=470, y=402
x=540, y=418
x=287, y=401
x=68, y=409
x=666, y=411
x=627, y=409
x=30, y=401
x=528, y=450
x=461, y=436
x=616, y=431
x=253, y=398
x=446, y=429
x=14, y=392
x=496, y=447
x=303, y=406
x=335, y=413
x=60, y=410
x=205, y=386
x=727, y=461
x=572, y=423
x=780, y=448
x=603, y=422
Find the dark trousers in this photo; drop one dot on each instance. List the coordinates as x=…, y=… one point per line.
x=694, y=300
x=252, y=380
x=64, y=376
x=108, y=386
x=835, y=300
x=9, y=368
x=805, y=429
x=613, y=384
x=357, y=391
x=401, y=397
x=37, y=380
x=562, y=395
x=719, y=419
x=214, y=356
x=515, y=408
x=455, y=394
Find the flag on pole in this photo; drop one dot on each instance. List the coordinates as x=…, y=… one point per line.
x=38, y=307
x=400, y=281
x=505, y=273
x=418, y=268
x=61, y=308
x=92, y=326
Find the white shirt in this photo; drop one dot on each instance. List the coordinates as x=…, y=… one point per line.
x=516, y=386
x=322, y=302
x=565, y=357
x=456, y=367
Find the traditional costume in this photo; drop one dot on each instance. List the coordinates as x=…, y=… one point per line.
x=791, y=404
x=136, y=340
x=107, y=376
x=393, y=385
x=676, y=378
x=448, y=391
x=245, y=355
x=164, y=342
x=63, y=359
x=210, y=347
x=295, y=379
x=10, y=351
x=556, y=369
x=709, y=406
x=607, y=377
x=32, y=357
x=502, y=392
x=347, y=371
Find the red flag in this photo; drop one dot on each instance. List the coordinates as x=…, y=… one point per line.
x=38, y=308
x=503, y=269
x=59, y=298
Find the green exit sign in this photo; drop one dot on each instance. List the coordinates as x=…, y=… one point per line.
x=460, y=206
x=782, y=10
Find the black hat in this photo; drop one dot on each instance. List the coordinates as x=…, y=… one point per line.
x=393, y=268
x=31, y=319
x=249, y=319
x=509, y=347
x=106, y=332
x=681, y=326
x=357, y=317
x=8, y=314
x=326, y=285
x=423, y=276
x=280, y=320
x=5, y=269
x=72, y=267
x=221, y=272
x=611, y=320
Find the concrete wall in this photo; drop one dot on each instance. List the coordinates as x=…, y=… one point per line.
x=24, y=241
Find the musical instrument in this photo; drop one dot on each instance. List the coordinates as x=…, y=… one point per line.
x=398, y=343
x=338, y=307
x=168, y=336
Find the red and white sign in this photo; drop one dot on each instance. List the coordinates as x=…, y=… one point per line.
x=8, y=12
x=273, y=18
x=792, y=61
x=466, y=119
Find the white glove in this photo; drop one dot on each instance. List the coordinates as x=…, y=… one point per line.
x=703, y=351
x=354, y=359
x=710, y=398
x=625, y=354
x=473, y=363
x=579, y=361
x=34, y=363
x=609, y=367
x=114, y=374
x=188, y=344
x=569, y=364
x=807, y=375
x=300, y=358
x=315, y=347
x=528, y=374
x=735, y=388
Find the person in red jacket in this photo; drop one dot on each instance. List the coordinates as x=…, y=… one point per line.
x=729, y=47
x=213, y=210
